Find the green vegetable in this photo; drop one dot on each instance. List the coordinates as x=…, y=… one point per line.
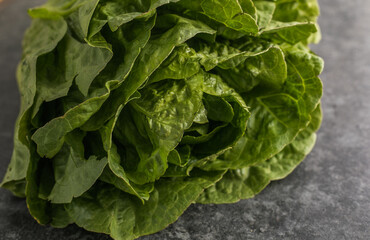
x=133, y=110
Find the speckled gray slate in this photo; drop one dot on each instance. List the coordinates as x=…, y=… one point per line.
x=326, y=197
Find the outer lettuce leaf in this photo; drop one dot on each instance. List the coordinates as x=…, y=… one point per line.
x=237, y=15
x=277, y=117
x=265, y=12
x=115, y=13
x=59, y=8
x=74, y=175
x=265, y=68
x=296, y=10
x=292, y=32
x=108, y=210
x=246, y=182
x=51, y=33
x=301, y=11
x=182, y=63
x=38, y=207
x=71, y=61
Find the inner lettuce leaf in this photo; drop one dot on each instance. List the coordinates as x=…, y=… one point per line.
x=133, y=110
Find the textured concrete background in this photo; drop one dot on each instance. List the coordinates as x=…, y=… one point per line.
x=326, y=197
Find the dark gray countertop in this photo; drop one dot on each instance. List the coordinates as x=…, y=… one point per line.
x=326, y=197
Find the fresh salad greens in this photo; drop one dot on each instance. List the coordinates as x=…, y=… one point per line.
x=134, y=109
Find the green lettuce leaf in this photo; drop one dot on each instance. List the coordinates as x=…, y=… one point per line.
x=246, y=182
x=50, y=32
x=278, y=116
x=108, y=210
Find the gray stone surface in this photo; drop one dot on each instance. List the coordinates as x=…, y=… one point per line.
x=326, y=197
